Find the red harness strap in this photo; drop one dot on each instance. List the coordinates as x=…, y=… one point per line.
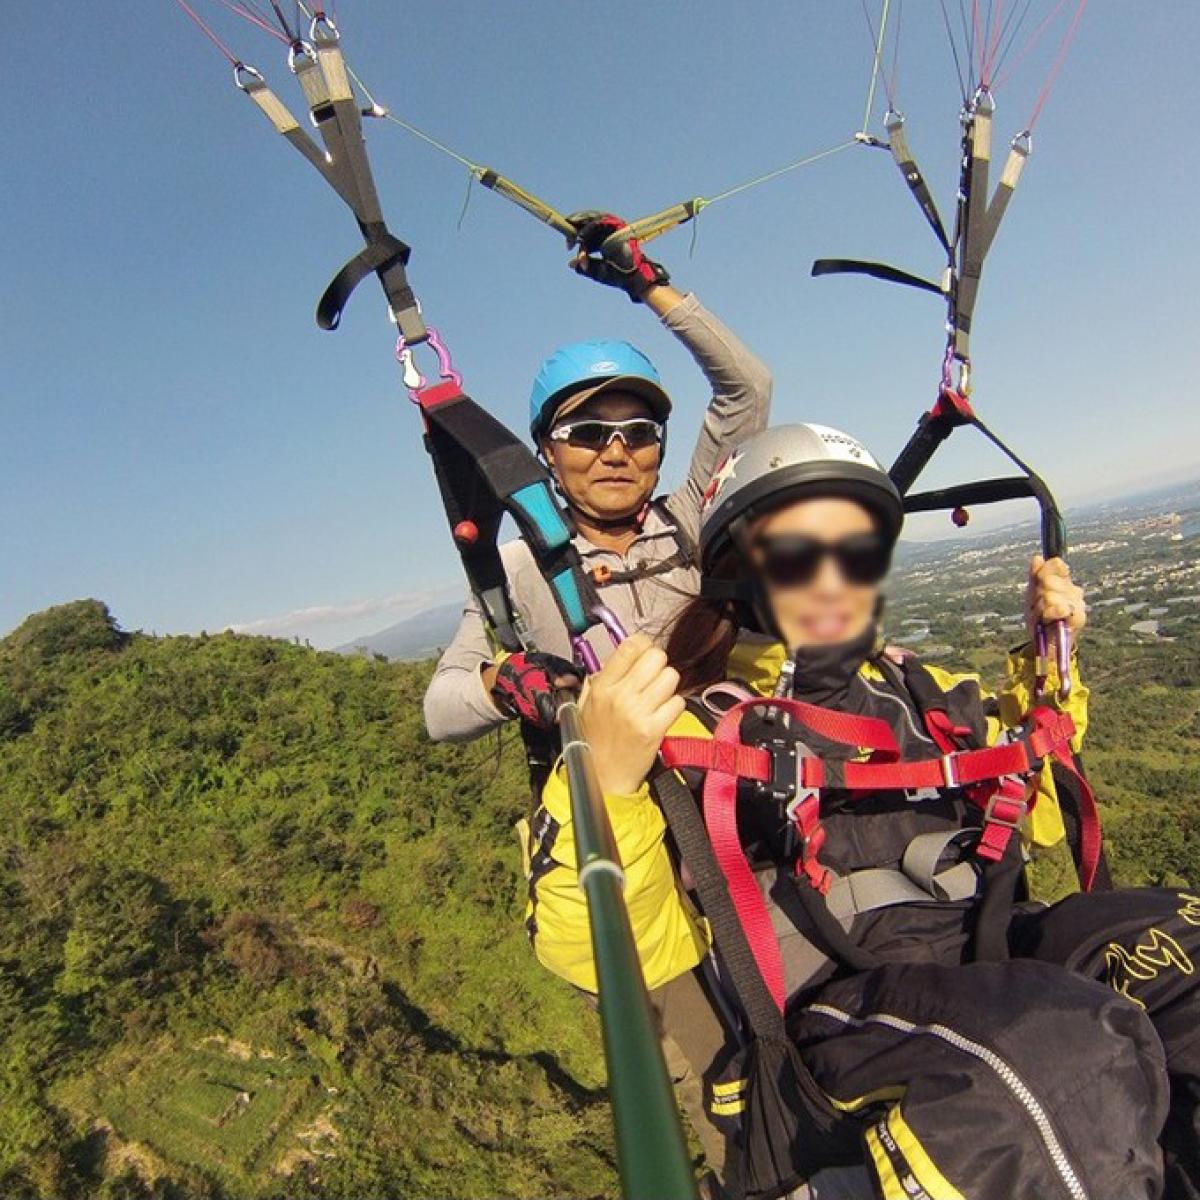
x=725, y=759
x=1057, y=745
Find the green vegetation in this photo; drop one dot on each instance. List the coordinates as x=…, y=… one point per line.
x=261, y=939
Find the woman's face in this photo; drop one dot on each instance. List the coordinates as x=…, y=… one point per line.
x=815, y=599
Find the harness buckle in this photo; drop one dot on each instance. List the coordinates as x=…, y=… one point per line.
x=1013, y=813
x=784, y=784
x=949, y=771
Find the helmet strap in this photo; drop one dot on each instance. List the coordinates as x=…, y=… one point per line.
x=754, y=594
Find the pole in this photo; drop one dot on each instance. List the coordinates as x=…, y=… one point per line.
x=652, y=1153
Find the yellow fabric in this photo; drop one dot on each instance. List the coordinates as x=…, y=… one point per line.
x=889, y=1183
x=923, y=1167
x=671, y=936
x=891, y=1092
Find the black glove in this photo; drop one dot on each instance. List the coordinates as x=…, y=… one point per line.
x=615, y=260
x=526, y=683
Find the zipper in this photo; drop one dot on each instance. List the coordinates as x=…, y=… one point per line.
x=1008, y=1076
x=637, y=600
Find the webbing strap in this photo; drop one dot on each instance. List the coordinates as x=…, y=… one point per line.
x=720, y=818
x=1049, y=734
x=687, y=828
x=1090, y=832
x=903, y=158
x=720, y=815
x=483, y=472
x=340, y=125
x=877, y=270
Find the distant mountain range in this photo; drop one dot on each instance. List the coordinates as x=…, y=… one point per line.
x=419, y=636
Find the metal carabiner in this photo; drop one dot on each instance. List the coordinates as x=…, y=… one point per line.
x=300, y=50
x=322, y=31
x=585, y=655
x=1062, y=657
x=247, y=78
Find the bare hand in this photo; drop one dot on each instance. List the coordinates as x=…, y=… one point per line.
x=1051, y=595
x=627, y=709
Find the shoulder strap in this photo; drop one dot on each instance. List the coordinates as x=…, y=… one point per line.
x=687, y=828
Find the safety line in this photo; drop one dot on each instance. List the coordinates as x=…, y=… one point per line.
x=248, y=15
x=1009, y=37
x=878, y=58
x=896, y=54
x=705, y=202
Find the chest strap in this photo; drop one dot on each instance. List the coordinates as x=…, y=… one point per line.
x=797, y=779
x=604, y=576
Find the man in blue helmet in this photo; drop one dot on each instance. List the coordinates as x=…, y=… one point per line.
x=598, y=414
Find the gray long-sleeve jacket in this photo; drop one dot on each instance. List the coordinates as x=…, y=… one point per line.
x=457, y=707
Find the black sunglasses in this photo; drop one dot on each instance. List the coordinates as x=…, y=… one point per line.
x=793, y=560
x=637, y=433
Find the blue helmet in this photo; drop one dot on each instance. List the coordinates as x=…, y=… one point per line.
x=581, y=370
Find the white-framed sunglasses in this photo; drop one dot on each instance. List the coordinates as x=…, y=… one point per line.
x=637, y=433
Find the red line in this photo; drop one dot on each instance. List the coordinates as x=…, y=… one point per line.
x=1052, y=78
x=216, y=41
x=247, y=15
x=994, y=43
x=1035, y=37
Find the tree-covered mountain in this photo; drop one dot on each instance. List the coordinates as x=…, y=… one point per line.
x=260, y=938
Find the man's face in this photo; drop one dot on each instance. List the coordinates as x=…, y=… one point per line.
x=612, y=483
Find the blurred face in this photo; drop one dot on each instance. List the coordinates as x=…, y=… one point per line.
x=821, y=561
x=614, y=482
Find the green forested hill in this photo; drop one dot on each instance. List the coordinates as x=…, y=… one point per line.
x=255, y=923
x=261, y=939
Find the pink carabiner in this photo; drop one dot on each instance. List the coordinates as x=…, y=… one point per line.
x=414, y=381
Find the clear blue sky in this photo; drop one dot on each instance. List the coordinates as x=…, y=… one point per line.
x=180, y=440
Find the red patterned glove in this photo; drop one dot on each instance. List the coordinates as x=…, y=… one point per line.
x=613, y=259
x=526, y=683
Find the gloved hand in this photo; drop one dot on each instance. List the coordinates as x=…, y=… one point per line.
x=526, y=682
x=616, y=261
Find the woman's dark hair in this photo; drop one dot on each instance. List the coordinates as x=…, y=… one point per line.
x=705, y=632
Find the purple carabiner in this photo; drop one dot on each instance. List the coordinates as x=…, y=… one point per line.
x=1062, y=657
x=1062, y=651
x=611, y=622
x=586, y=656
x=414, y=381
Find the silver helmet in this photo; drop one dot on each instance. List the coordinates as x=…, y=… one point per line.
x=787, y=463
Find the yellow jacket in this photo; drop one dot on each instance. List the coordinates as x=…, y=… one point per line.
x=672, y=937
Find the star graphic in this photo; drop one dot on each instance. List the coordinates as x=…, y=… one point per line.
x=721, y=476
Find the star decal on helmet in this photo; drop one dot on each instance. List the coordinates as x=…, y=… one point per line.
x=721, y=476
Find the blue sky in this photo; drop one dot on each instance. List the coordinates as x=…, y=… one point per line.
x=181, y=441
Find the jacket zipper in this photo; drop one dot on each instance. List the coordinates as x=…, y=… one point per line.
x=1008, y=1076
